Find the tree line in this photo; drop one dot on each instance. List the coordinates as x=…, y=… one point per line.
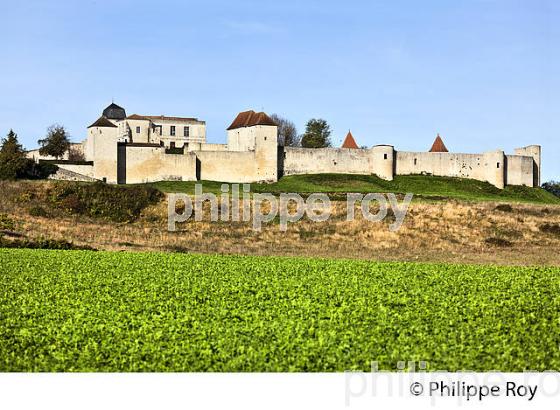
x=317, y=133
x=14, y=163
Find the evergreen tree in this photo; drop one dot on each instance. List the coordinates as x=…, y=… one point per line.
x=13, y=163
x=317, y=134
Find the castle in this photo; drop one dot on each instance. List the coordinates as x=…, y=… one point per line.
x=140, y=148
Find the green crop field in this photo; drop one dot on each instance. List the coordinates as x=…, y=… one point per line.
x=102, y=311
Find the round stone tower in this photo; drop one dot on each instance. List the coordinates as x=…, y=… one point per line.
x=383, y=161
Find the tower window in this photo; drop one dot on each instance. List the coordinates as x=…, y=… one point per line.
x=186, y=131
x=498, y=165
x=415, y=161
x=172, y=130
x=137, y=130
x=384, y=156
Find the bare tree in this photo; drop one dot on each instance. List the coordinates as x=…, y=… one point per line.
x=75, y=154
x=287, y=132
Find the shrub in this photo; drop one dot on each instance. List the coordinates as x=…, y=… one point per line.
x=117, y=203
x=550, y=228
x=498, y=242
x=504, y=208
x=39, y=170
x=41, y=244
x=553, y=187
x=7, y=223
x=38, y=211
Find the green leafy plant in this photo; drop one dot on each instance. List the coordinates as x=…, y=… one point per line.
x=38, y=211
x=7, y=223
x=81, y=311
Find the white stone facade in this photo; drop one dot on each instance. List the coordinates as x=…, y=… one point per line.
x=137, y=149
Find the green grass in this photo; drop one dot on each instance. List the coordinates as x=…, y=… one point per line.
x=424, y=187
x=101, y=311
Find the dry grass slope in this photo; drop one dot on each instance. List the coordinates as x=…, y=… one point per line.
x=442, y=231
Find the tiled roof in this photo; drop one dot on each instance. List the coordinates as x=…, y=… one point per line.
x=102, y=122
x=250, y=119
x=137, y=117
x=438, y=145
x=349, y=141
x=163, y=118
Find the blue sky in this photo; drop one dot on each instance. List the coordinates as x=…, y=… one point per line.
x=484, y=74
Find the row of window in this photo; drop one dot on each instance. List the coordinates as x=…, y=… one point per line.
x=172, y=130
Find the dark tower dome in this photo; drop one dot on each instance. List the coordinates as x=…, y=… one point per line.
x=114, y=112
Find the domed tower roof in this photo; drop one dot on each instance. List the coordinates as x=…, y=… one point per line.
x=114, y=112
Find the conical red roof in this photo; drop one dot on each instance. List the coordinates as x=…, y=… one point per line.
x=349, y=141
x=438, y=145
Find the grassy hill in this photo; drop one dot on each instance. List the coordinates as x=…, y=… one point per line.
x=423, y=186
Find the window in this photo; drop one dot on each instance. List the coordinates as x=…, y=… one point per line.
x=384, y=156
x=185, y=131
x=172, y=131
x=172, y=144
x=498, y=165
x=137, y=130
x=415, y=161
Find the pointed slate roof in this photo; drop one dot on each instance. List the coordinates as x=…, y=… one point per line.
x=103, y=122
x=438, y=145
x=349, y=141
x=250, y=119
x=114, y=112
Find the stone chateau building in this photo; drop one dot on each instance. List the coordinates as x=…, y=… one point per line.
x=143, y=148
